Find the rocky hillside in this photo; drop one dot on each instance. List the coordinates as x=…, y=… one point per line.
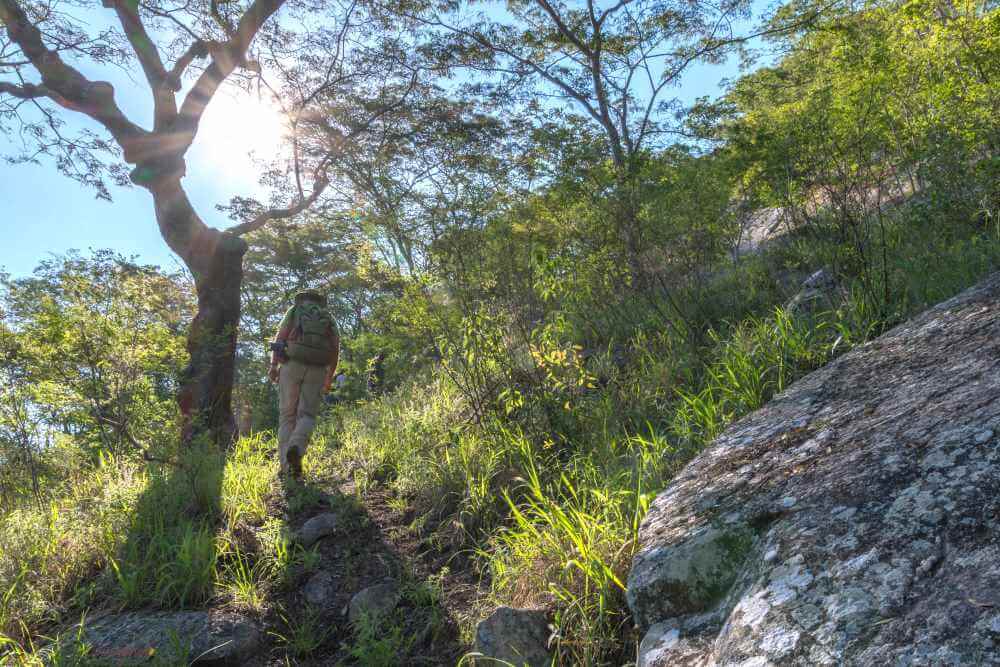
x=852, y=520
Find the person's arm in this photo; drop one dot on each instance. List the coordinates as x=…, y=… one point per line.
x=284, y=330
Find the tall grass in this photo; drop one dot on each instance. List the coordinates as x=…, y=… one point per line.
x=120, y=531
x=569, y=543
x=51, y=549
x=759, y=358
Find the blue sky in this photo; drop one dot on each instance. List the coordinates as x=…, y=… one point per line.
x=44, y=213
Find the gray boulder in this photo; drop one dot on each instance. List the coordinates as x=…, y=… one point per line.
x=377, y=600
x=816, y=293
x=516, y=636
x=317, y=528
x=761, y=228
x=822, y=280
x=853, y=520
x=180, y=637
x=320, y=589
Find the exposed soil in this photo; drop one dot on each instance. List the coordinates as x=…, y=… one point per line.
x=377, y=542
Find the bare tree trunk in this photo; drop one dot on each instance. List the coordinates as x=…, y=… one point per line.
x=626, y=218
x=207, y=386
x=215, y=259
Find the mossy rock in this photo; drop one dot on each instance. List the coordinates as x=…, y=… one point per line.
x=692, y=576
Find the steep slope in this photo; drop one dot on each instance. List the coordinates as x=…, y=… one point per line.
x=852, y=520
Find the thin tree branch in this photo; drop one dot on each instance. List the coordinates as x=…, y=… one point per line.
x=564, y=29
x=27, y=91
x=611, y=10
x=319, y=186
x=221, y=20
x=169, y=15
x=199, y=49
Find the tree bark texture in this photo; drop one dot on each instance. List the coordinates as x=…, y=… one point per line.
x=215, y=259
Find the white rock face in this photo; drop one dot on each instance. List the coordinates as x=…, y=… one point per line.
x=760, y=228
x=851, y=521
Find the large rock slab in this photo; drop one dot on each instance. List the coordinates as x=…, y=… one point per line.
x=179, y=637
x=854, y=520
x=514, y=636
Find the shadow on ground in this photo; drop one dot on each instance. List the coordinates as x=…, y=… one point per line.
x=182, y=553
x=169, y=556
x=358, y=555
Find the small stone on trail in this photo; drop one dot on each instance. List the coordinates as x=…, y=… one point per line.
x=376, y=600
x=320, y=589
x=317, y=528
x=516, y=636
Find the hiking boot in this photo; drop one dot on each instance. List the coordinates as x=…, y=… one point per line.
x=294, y=462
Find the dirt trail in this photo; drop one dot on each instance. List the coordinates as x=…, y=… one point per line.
x=374, y=543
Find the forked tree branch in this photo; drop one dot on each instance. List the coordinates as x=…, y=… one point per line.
x=68, y=87
x=71, y=90
x=226, y=57
x=160, y=83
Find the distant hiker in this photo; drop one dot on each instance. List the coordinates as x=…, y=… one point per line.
x=376, y=374
x=339, y=390
x=307, y=348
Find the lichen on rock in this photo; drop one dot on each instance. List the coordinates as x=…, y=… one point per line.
x=862, y=507
x=695, y=575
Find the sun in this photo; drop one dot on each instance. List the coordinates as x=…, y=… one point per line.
x=239, y=134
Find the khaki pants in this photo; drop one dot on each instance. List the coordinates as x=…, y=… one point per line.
x=300, y=393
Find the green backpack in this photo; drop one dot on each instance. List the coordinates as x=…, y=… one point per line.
x=313, y=343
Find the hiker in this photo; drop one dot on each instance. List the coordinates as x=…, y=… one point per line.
x=304, y=358
x=339, y=393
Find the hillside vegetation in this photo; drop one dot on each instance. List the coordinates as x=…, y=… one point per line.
x=559, y=337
